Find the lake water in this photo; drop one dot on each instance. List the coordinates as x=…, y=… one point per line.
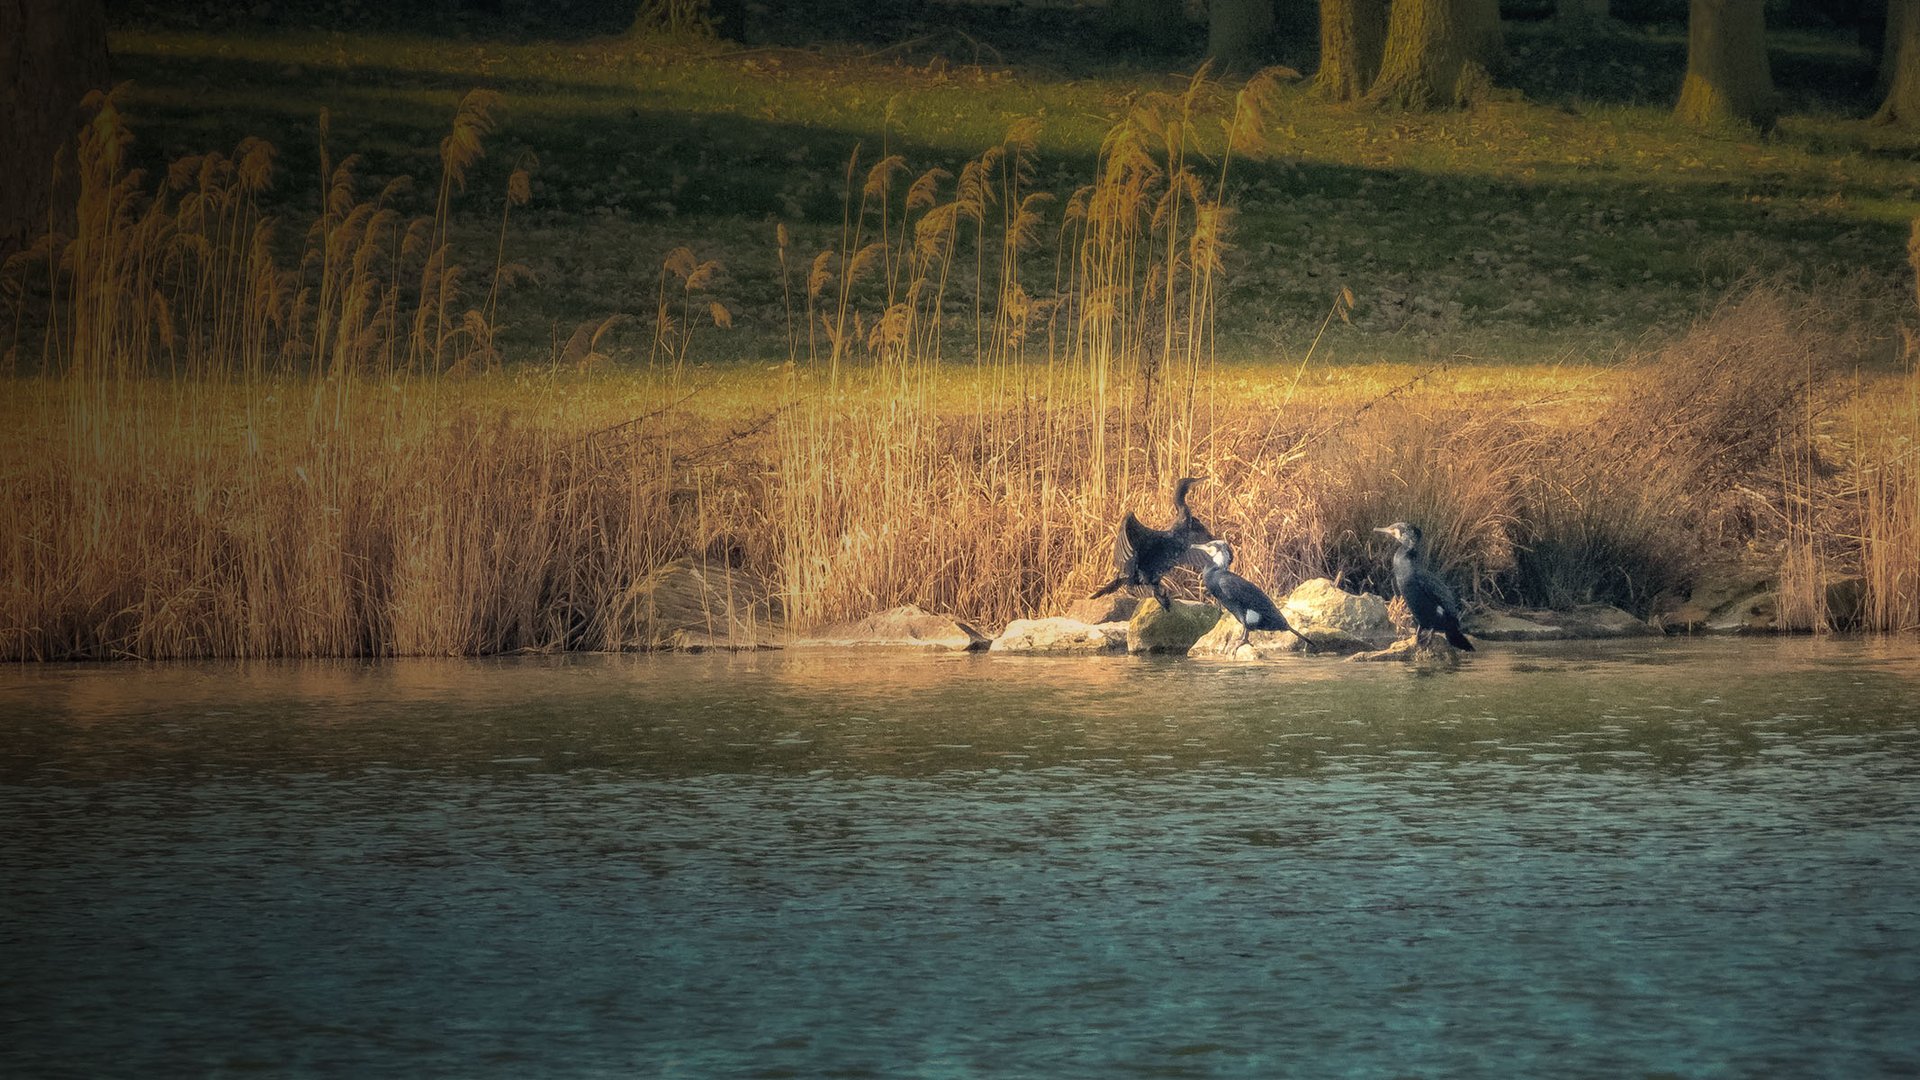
x=1690, y=858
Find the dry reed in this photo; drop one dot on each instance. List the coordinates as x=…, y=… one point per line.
x=219, y=455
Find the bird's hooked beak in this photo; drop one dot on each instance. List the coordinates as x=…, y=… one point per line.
x=1396, y=531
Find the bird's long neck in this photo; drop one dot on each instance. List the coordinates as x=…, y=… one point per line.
x=1185, y=525
x=1406, y=561
x=1182, y=517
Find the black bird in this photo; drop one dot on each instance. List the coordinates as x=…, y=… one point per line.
x=1143, y=555
x=1240, y=598
x=1429, y=599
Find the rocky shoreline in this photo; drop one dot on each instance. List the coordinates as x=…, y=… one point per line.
x=689, y=607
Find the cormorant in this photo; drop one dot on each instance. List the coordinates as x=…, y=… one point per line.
x=1143, y=555
x=1240, y=598
x=1429, y=599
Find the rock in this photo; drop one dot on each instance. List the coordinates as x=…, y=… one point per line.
x=1320, y=605
x=1607, y=621
x=1156, y=630
x=1399, y=650
x=1260, y=644
x=1435, y=655
x=1322, y=639
x=1267, y=644
x=1106, y=609
x=690, y=600
x=906, y=626
x=1585, y=621
x=1712, y=595
x=1503, y=626
x=1758, y=613
x=1214, y=642
x=1060, y=636
x=1750, y=604
x=694, y=641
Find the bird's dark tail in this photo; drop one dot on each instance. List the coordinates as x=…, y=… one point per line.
x=1457, y=639
x=1108, y=587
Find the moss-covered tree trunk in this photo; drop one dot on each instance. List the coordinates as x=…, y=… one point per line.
x=1902, y=105
x=1352, y=35
x=1237, y=32
x=1159, y=24
x=1437, y=53
x=1727, y=74
x=52, y=52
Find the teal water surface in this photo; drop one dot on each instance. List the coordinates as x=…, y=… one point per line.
x=1689, y=858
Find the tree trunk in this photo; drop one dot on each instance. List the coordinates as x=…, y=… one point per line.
x=52, y=52
x=1727, y=74
x=1159, y=24
x=1352, y=35
x=1237, y=32
x=1437, y=53
x=1902, y=65
x=1583, y=10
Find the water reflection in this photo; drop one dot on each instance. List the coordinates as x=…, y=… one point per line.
x=1669, y=706
x=1682, y=857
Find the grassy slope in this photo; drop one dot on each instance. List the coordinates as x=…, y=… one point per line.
x=1526, y=243
x=1563, y=231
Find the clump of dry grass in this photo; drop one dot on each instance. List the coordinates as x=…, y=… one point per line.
x=1451, y=468
x=1718, y=407
x=1720, y=440
x=1085, y=390
x=1698, y=451
x=1886, y=506
x=1884, y=500
x=227, y=457
x=390, y=524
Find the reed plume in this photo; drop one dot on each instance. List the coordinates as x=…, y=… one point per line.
x=218, y=453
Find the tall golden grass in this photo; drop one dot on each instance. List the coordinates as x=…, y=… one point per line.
x=224, y=456
x=215, y=453
x=1083, y=390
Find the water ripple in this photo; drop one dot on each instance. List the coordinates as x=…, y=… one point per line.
x=1695, y=859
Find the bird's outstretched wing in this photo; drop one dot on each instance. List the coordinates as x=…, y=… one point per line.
x=1195, y=559
x=1189, y=531
x=1127, y=541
